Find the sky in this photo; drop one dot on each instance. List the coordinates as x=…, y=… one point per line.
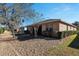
x=68, y=12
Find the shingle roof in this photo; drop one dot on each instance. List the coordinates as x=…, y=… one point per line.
x=52, y=20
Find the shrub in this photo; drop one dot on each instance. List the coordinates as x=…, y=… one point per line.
x=2, y=30
x=59, y=35
x=64, y=34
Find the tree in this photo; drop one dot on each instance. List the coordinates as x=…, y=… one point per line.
x=11, y=14
x=76, y=23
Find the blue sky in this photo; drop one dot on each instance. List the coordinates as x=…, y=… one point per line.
x=68, y=12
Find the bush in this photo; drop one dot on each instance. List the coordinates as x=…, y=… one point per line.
x=64, y=34
x=59, y=35
x=2, y=30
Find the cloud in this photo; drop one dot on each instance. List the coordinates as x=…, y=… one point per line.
x=64, y=8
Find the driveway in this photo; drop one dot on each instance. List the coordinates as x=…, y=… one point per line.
x=31, y=47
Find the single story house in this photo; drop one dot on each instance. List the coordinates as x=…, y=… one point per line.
x=50, y=27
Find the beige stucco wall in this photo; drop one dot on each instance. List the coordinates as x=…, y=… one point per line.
x=62, y=27
x=65, y=27
x=70, y=28
x=43, y=27
x=54, y=26
x=75, y=29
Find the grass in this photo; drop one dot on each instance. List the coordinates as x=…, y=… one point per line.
x=64, y=49
x=68, y=41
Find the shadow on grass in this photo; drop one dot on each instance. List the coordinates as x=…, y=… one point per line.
x=75, y=43
x=24, y=37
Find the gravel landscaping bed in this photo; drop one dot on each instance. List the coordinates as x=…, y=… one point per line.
x=30, y=47
x=35, y=47
x=6, y=50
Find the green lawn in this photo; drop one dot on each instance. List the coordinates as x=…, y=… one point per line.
x=68, y=41
x=64, y=49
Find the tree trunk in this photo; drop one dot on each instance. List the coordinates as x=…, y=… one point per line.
x=13, y=34
x=12, y=30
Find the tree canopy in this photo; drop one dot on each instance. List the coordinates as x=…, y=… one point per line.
x=76, y=23
x=11, y=14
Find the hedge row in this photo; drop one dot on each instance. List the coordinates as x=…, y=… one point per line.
x=65, y=34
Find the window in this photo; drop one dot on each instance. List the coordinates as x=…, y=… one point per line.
x=49, y=29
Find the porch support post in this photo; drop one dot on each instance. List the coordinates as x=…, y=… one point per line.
x=35, y=30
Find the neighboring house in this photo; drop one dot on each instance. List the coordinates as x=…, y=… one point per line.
x=50, y=27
